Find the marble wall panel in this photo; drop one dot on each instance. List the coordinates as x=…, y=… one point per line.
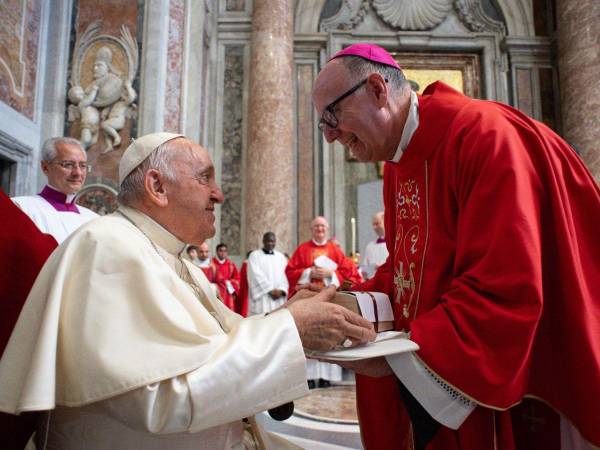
x=524, y=91
x=174, y=66
x=235, y=5
x=19, y=42
x=231, y=168
x=305, y=127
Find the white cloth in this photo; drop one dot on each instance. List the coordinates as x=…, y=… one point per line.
x=374, y=256
x=410, y=126
x=326, y=371
x=441, y=401
x=59, y=224
x=266, y=272
x=125, y=328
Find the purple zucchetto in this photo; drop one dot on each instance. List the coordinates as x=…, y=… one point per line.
x=369, y=52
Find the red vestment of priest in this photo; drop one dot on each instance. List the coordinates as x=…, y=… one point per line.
x=227, y=271
x=23, y=251
x=304, y=257
x=492, y=223
x=241, y=305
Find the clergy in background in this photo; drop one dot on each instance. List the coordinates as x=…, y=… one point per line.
x=227, y=277
x=267, y=283
x=53, y=210
x=376, y=251
x=319, y=262
x=123, y=340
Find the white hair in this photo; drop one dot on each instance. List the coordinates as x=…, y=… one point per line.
x=132, y=187
x=49, y=147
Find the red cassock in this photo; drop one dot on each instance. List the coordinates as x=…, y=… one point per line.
x=307, y=252
x=227, y=271
x=241, y=304
x=24, y=250
x=494, y=268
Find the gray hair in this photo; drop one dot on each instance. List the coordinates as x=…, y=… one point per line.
x=360, y=68
x=161, y=159
x=49, y=147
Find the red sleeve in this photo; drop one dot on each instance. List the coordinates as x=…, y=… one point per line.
x=234, y=277
x=480, y=334
x=294, y=269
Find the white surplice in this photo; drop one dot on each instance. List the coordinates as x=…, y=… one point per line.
x=265, y=273
x=130, y=343
x=374, y=256
x=59, y=224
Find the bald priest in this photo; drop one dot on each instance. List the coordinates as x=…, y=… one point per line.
x=131, y=349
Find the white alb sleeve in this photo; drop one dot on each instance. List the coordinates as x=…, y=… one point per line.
x=440, y=400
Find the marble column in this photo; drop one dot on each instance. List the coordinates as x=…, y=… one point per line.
x=579, y=64
x=269, y=175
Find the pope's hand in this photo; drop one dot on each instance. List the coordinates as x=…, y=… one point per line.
x=323, y=326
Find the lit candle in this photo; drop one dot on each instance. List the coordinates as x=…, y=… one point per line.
x=353, y=228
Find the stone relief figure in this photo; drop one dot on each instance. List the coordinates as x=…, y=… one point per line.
x=107, y=101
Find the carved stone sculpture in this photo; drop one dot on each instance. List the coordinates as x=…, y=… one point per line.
x=107, y=101
x=412, y=14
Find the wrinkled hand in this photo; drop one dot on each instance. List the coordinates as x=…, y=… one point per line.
x=372, y=367
x=319, y=273
x=322, y=326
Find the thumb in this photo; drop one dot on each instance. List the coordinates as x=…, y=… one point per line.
x=326, y=295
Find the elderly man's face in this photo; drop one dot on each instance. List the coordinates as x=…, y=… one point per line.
x=193, y=194
x=69, y=179
x=319, y=229
x=358, y=127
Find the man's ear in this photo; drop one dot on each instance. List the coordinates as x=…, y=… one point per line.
x=155, y=188
x=378, y=88
x=44, y=165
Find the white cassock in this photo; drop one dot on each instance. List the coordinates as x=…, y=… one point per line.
x=374, y=256
x=59, y=224
x=265, y=273
x=130, y=344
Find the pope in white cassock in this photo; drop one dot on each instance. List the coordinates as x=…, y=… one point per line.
x=267, y=283
x=53, y=210
x=131, y=349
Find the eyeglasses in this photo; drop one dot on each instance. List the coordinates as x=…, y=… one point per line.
x=70, y=166
x=328, y=118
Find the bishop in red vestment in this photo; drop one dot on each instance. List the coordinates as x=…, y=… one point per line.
x=227, y=277
x=23, y=251
x=492, y=230
x=302, y=269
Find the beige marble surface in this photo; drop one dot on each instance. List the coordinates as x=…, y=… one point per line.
x=579, y=64
x=270, y=168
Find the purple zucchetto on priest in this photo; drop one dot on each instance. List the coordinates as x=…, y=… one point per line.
x=369, y=52
x=53, y=210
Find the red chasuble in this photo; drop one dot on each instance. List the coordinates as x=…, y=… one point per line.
x=24, y=250
x=241, y=304
x=307, y=252
x=494, y=267
x=227, y=271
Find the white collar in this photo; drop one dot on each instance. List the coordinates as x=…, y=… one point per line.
x=69, y=197
x=320, y=244
x=153, y=230
x=410, y=126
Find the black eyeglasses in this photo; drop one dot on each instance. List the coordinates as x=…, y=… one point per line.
x=328, y=118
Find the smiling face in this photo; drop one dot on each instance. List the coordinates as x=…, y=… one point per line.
x=269, y=242
x=361, y=116
x=192, y=195
x=67, y=181
x=319, y=229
